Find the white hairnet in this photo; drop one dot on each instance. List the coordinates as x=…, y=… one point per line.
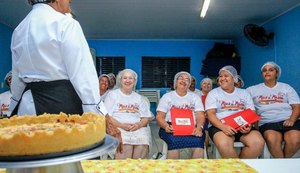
x=274, y=65
x=178, y=74
x=111, y=75
x=9, y=74
x=121, y=74
x=241, y=79
x=104, y=75
x=231, y=70
x=206, y=79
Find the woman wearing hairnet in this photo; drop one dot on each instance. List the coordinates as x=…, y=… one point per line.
x=103, y=86
x=182, y=99
x=278, y=105
x=225, y=101
x=131, y=114
x=206, y=87
x=5, y=97
x=240, y=82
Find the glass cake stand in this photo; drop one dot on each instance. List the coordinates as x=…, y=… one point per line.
x=65, y=163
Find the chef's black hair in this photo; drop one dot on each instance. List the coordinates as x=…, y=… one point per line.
x=32, y=2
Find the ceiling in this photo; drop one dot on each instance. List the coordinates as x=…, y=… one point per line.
x=160, y=19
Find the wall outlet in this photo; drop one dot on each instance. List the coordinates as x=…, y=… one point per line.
x=2, y=84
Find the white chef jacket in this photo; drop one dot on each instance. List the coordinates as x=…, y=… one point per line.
x=48, y=46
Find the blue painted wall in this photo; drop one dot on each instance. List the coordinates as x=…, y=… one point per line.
x=133, y=50
x=5, y=54
x=284, y=49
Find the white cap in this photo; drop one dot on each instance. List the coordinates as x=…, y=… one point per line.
x=121, y=74
x=111, y=75
x=104, y=75
x=206, y=79
x=241, y=79
x=231, y=70
x=178, y=74
x=274, y=65
x=9, y=74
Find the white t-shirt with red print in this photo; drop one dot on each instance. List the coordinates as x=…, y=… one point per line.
x=4, y=103
x=228, y=103
x=273, y=104
x=126, y=108
x=171, y=99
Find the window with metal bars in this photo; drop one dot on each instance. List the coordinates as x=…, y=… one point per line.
x=159, y=72
x=109, y=64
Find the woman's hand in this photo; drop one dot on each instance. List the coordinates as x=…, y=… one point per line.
x=198, y=132
x=288, y=123
x=126, y=126
x=134, y=127
x=112, y=130
x=228, y=130
x=245, y=129
x=169, y=129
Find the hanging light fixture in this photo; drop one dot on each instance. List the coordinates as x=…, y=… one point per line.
x=204, y=8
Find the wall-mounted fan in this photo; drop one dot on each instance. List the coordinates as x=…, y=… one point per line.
x=257, y=34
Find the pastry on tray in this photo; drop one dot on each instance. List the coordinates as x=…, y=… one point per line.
x=49, y=133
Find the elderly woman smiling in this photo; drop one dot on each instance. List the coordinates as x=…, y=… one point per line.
x=131, y=114
x=182, y=99
x=103, y=85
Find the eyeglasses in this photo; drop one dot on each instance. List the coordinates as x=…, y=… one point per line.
x=182, y=78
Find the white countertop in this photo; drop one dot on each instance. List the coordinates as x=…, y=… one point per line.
x=274, y=165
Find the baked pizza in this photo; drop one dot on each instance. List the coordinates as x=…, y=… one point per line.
x=49, y=133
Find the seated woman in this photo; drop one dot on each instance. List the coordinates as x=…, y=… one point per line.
x=240, y=82
x=193, y=88
x=206, y=87
x=131, y=114
x=103, y=85
x=182, y=99
x=5, y=97
x=112, y=81
x=225, y=101
x=278, y=105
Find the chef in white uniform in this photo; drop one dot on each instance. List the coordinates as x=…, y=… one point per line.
x=5, y=97
x=51, y=57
